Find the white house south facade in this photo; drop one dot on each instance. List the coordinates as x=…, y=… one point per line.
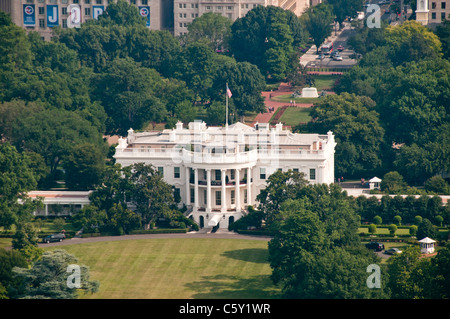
x=219, y=171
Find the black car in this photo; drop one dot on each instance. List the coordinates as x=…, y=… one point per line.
x=54, y=237
x=375, y=245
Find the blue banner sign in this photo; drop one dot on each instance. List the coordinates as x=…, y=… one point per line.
x=29, y=15
x=52, y=16
x=145, y=12
x=97, y=10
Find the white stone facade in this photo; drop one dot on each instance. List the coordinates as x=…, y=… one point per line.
x=219, y=171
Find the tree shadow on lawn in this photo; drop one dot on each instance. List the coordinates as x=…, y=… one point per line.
x=255, y=255
x=234, y=287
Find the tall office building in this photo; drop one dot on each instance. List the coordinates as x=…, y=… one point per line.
x=43, y=15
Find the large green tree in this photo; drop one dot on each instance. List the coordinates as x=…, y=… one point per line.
x=213, y=27
x=244, y=81
x=356, y=125
x=48, y=278
x=265, y=37
x=317, y=20
x=128, y=93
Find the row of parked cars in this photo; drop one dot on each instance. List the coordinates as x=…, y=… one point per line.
x=379, y=247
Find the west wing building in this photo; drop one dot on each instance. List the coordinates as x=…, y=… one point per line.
x=219, y=171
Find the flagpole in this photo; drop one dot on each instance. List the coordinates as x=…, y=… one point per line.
x=226, y=114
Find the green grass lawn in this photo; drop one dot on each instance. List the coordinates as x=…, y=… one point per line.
x=178, y=268
x=294, y=115
x=324, y=81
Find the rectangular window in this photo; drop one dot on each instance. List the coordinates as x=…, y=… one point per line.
x=233, y=194
x=218, y=198
x=205, y=197
x=433, y=15
x=41, y=23
x=218, y=174
x=192, y=195
x=312, y=174
x=64, y=10
x=99, y=1
x=262, y=173
x=176, y=193
x=144, y=2
x=87, y=1
x=87, y=11
x=76, y=1
x=232, y=174
x=442, y=16
x=64, y=23
x=176, y=172
x=295, y=170
x=41, y=10
x=245, y=197
x=433, y=5
x=161, y=171
x=443, y=6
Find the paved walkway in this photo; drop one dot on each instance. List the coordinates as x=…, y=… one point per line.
x=219, y=235
x=283, y=89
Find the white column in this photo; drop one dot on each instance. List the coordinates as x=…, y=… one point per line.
x=208, y=190
x=238, y=195
x=196, y=189
x=46, y=209
x=188, y=188
x=224, y=203
x=249, y=190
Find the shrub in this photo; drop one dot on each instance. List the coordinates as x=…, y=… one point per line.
x=392, y=229
x=372, y=228
x=377, y=220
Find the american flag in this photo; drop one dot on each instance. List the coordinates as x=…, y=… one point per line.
x=229, y=92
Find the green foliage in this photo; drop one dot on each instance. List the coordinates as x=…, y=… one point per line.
x=437, y=185
x=393, y=182
x=47, y=278
x=358, y=131
x=245, y=82
x=212, y=27
x=265, y=37
x=317, y=20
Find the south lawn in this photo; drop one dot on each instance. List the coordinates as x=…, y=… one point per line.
x=178, y=268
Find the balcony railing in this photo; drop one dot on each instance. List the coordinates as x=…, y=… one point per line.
x=181, y=155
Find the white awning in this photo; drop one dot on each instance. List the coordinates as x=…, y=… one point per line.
x=214, y=220
x=375, y=180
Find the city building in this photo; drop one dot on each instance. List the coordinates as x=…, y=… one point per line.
x=439, y=10
x=432, y=12
x=219, y=171
x=43, y=15
x=185, y=11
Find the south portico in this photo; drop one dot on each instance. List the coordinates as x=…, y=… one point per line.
x=218, y=194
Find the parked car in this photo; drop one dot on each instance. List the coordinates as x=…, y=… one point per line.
x=54, y=237
x=333, y=54
x=337, y=58
x=321, y=56
x=393, y=251
x=340, y=48
x=375, y=245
